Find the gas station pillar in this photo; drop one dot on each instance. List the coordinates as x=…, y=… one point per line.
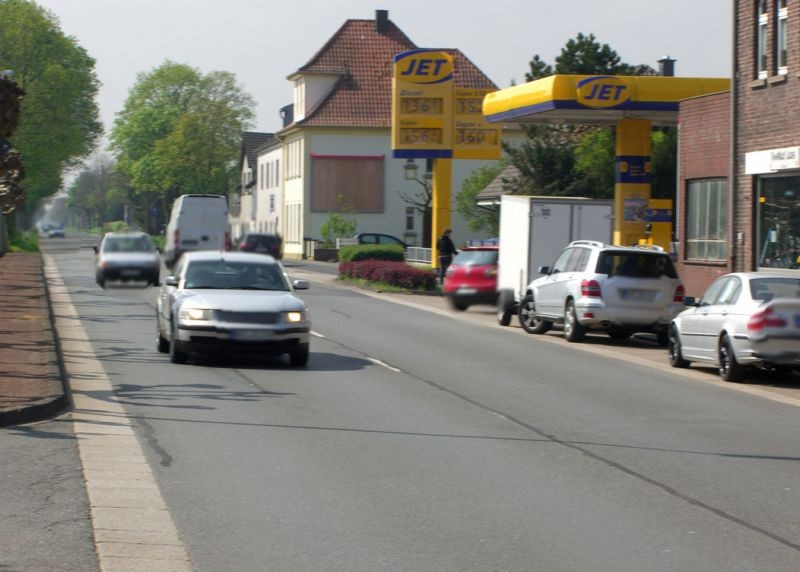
x=632, y=180
x=442, y=184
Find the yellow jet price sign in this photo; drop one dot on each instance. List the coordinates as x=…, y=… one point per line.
x=422, y=105
x=474, y=137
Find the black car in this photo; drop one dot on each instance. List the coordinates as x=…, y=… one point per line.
x=262, y=243
x=378, y=238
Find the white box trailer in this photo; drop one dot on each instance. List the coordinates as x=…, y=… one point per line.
x=534, y=230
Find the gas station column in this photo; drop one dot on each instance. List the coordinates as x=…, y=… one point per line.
x=632, y=180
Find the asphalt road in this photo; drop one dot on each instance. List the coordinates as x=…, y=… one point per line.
x=417, y=441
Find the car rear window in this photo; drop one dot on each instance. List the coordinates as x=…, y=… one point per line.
x=263, y=240
x=128, y=244
x=635, y=265
x=475, y=258
x=768, y=288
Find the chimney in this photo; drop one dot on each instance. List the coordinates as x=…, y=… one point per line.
x=666, y=66
x=382, y=21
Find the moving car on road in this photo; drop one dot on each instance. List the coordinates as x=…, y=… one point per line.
x=232, y=301
x=127, y=256
x=472, y=277
x=621, y=290
x=262, y=243
x=743, y=319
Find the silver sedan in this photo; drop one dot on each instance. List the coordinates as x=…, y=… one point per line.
x=730, y=325
x=231, y=301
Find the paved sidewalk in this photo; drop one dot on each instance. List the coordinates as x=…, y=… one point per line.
x=31, y=385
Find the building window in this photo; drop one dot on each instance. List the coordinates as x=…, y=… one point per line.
x=271, y=203
x=782, y=37
x=409, y=218
x=762, y=47
x=707, y=219
x=779, y=222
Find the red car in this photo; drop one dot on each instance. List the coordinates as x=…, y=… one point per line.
x=472, y=277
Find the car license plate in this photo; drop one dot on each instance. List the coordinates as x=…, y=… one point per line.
x=251, y=335
x=465, y=291
x=634, y=294
x=130, y=272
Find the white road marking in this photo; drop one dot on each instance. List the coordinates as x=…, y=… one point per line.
x=317, y=334
x=383, y=364
x=133, y=529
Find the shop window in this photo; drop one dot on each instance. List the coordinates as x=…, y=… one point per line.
x=782, y=38
x=779, y=222
x=707, y=219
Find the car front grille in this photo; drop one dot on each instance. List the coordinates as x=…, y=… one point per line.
x=247, y=317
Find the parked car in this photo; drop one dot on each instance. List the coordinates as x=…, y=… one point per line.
x=232, y=301
x=196, y=222
x=262, y=243
x=472, y=277
x=594, y=286
x=743, y=319
x=378, y=238
x=127, y=256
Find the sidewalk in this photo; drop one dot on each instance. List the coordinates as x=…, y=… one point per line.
x=31, y=385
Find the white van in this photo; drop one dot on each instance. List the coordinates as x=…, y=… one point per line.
x=197, y=222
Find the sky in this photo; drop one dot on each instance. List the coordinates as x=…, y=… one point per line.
x=263, y=41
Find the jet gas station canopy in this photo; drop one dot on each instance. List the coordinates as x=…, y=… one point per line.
x=633, y=104
x=597, y=100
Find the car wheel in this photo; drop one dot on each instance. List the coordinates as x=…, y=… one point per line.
x=162, y=344
x=573, y=330
x=729, y=368
x=674, y=345
x=618, y=333
x=527, y=317
x=101, y=281
x=458, y=306
x=156, y=281
x=176, y=353
x=504, y=317
x=299, y=358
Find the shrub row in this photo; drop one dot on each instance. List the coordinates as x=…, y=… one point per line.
x=355, y=252
x=398, y=274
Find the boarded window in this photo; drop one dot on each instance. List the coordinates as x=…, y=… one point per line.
x=347, y=183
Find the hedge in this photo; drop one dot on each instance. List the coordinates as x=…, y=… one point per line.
x=398, y=274
x=355, y=252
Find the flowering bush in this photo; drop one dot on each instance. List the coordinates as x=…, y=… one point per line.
x=398, y=274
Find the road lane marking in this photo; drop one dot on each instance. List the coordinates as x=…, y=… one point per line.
x=133, y=529
x=384, y=364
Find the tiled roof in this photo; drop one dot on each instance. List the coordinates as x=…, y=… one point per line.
x=251, y=141
x=502, y=184
x=363, y=56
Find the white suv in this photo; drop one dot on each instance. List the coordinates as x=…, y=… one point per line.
x=593, y=286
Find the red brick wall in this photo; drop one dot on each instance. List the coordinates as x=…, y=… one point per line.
x=766, y=113
x=705, y=138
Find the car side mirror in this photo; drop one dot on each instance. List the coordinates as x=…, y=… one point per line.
x=171, y=281
x=300, y=284
x=544, y=270
x=689, y=301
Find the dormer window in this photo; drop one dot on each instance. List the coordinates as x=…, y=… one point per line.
x=299, y=98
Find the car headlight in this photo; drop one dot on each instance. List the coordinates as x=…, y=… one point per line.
x=194, y=314
x=294, y=317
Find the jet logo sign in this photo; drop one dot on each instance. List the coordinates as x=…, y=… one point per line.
x=603, y=92
x=424, y=67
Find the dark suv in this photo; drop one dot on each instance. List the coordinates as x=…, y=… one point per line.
x=262, y=243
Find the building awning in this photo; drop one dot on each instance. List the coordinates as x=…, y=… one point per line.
x=597, y=99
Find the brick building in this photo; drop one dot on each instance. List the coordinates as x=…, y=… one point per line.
x=746, y=216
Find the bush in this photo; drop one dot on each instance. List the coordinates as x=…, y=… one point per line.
x=397, y=274
x=27, y=241
x=355, y=252
x=115, y=226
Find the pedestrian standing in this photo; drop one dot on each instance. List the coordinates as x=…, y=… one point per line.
x=446, y=250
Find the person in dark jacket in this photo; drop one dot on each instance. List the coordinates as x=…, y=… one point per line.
x=446, y=250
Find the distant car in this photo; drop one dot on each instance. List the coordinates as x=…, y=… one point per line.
x=55, y=232
x=378, y=238
x=743, y=319
x=232, y=302
x=472, y=277
x=127, y=256
x=594, y=286
x=262, y=243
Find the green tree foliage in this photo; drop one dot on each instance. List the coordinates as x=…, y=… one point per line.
x=479, y=219
x=180, y=132
x=59, y=123
x=99, y=193
x=569, y=160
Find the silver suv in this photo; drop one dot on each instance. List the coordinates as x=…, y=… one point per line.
x=594, y=286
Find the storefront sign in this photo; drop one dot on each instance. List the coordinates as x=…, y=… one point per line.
x=772, y=160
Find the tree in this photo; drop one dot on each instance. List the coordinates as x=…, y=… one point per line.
x=486, y=219
x=99, y=193
x=180, y=131
x=59, y=123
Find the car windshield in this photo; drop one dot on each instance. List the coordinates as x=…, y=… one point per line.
x=768, y=288
x=635, y=265
x=128, y=244
x=475, y=258
x=234, y=276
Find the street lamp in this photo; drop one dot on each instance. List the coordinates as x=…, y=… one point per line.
x=410, y=170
